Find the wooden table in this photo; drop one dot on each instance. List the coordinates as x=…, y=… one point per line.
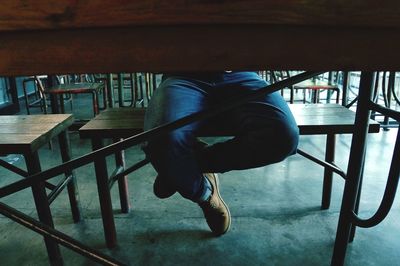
x=68, y=37
x=25, y=134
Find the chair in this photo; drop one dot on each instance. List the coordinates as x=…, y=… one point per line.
x=61, y=90
x=40, y=97
x=316, y=86
x=140, y=86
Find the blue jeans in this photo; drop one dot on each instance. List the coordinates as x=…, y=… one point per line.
x=265, y=130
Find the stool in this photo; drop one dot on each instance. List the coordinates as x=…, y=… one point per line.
x=25, y=134
x=40, y=98
x=316, y=87
x=76, y=88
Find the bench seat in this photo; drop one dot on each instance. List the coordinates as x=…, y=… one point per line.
x=312, y=119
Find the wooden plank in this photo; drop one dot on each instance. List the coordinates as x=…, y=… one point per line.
x=28, y=128
x=46, y=14
x=36, y=119
x=124, y=113
x=159, y=47
x=112, y=128
x=18, y=144
x=311, y=119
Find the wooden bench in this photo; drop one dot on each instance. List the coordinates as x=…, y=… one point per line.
x=25, y=134
x=119, y=123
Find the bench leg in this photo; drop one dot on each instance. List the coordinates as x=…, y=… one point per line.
x=95, y=99
x=329, y=157
x=43, y=207
x=100, y=166
x=122, y=182
x=72, y=185
x=121, y=95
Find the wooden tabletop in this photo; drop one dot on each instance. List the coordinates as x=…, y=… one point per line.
x=27, y=133
x=311, y=119
x=101, y=36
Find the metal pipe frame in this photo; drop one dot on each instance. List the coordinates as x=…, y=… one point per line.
x=57, y=236
x=331, y=166
x=354, y=170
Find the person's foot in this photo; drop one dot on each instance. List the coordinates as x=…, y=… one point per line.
x=215, y=209
x=162, y=189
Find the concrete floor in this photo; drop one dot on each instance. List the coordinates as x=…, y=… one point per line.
x=276, y=216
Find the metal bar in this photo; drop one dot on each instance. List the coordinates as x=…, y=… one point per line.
x=130, y=170
x=113, y=178
x=95, y=102
x=13, y=168
x=49, y=185
x=110, y=88
x=136, y=139
x=60, y=186
x=389, y=194
x=345, y=87
x=331, y=166
x=328, y=173
x=121, y=94
x=22, y=172
x=57, y=236
x=386, y=111
x=122, y=181
x=357, y=206
x=354, y=169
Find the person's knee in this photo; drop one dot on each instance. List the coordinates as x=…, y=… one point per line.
x=169, y=143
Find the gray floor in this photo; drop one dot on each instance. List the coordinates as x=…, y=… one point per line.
x=276, y=215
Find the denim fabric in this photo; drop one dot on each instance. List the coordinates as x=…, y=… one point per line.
x=265, y=130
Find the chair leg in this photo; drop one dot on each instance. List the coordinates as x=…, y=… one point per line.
x=26, y=97
x=95, y=100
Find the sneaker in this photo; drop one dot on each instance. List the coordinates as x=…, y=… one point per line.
x=162, y=189
x=215, y=209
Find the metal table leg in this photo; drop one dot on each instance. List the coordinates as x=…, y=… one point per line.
x=354, y=169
